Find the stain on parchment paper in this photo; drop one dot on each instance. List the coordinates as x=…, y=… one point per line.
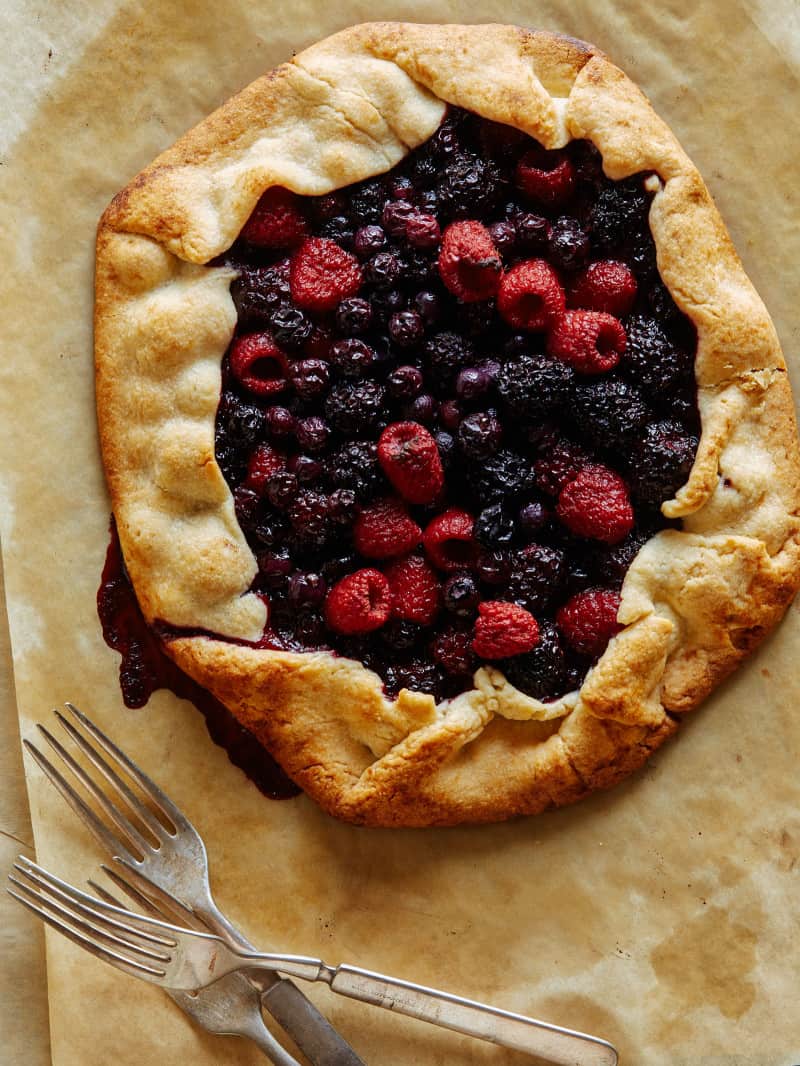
x=708, y=961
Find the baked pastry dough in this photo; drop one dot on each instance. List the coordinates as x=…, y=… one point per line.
x=695, y=600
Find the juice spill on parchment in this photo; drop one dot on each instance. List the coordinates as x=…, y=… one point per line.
x=145, y=667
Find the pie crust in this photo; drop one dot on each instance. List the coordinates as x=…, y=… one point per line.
x=695, y=601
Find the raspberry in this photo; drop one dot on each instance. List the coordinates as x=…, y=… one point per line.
x=259, y=364
x=596, y=504
x=322, y=274
x=410, y=460
x=468, y=262
x=264, y=462
x=276, y=221
x=605, y=286
x=530, y=296
x=533, y=385
x=540, y=673
x=452, y=650
x=661, y=461
x=384, y=529
x=589, y=620
x=547, y=177
x=359, y=603
x=448, y=539
x=416, y=592
x=590, y=341
x=503, y=630
x=559, y=465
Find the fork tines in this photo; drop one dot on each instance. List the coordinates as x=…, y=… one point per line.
x=109, y=932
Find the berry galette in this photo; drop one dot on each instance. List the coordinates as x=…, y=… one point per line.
x=448, y=443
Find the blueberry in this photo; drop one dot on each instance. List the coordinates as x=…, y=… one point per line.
x=352, y=357
x=493, y=567
x=424, y=409
x=504, y=236
x=382, y=270
x=533, y=231
x=306, y=589
x=279, y=422
x=368, y=240
x=309, y=378
x=479, y=435
x=290, y=328
x=460, y=595
x=568, y=245
x=533, y=517
x=404, y=382
x=281, y=489
x=428, y=306
x=274, y=568
x=447, y=448
x=472, y=383
x=422, y=230
x=354, y=316
x=395, y=216
x=541, y=672
x=406, y=329
x=339, y=230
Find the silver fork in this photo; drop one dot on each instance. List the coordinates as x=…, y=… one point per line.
x=171, y=858
x=171, y=957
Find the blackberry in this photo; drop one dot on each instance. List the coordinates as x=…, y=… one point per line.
x=401, y=187
x=532, y=385
x=640, y=253
x=343, y=506
x=537, y=577
x=354, y=316
x=661, y=303
x=575, y=673
x=618, y=208
x=312, y=433
x=240, y=423
x=540, y=673
x=612, y=564
x=470, y=187
x=609, y=412
x=352, y=357
x=560, y=462
x=354, y=408
x=445, y=353
x=327, y=206
x=417, y=675
x=460, y=595
x=424, y=169
x=338, y=229
x=290, y=328
x=355, y=466
x=281, y=489
x=308, y=515
x=270, y=530
x=661, y=461
x=305, y=468
x=248, y=505
x=503, y=475
x=231, y=461
x=366, y=202
x=274, y=568
x=258, y=291
x=494, y=527
x=339, y=565
x=568, y=245
x=479, y=435
x=651, y=358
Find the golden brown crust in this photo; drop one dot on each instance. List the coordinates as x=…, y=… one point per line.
x=695, y=601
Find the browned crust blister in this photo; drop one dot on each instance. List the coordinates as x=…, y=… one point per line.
x=695, y=601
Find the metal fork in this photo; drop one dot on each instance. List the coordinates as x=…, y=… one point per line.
x=171, y=858
x=171, y=957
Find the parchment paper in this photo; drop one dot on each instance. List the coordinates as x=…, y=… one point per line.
x=663, y=915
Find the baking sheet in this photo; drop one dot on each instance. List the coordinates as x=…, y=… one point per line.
x=662, y=915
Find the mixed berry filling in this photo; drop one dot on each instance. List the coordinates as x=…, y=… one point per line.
x=456, y=398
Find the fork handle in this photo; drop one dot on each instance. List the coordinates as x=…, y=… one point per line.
x=563, y=1046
